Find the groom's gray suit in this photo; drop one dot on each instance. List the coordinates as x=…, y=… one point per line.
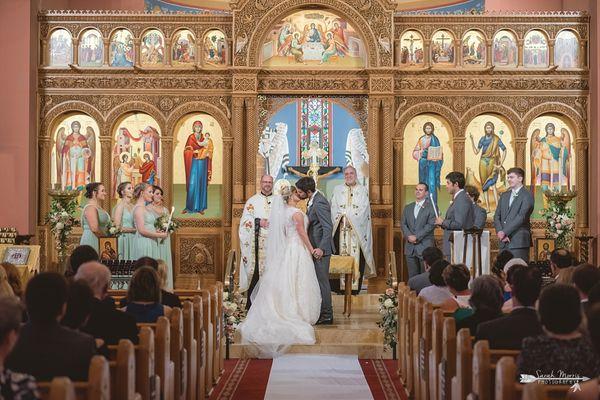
x=320, y=231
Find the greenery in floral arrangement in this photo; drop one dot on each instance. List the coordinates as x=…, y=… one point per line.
x=112, y=229
x=234, y=313
x=388, y=308
x=61, y=220
x=162, y=224
x=560, y=223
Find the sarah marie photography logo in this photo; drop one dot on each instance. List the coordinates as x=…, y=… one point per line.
x=558, y=378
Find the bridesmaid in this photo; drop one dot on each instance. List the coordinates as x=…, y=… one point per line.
x=94, y=219
x=145, y=243
x=164, y=248
x=122, y=215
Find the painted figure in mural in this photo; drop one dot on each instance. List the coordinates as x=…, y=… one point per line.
x=90, y=49
x=125, y=170
x=331, y=48
x=151, y=142
x=313, y=35
x=493, y=154
x=75, y=156
x=296, y=48
x=153, y=49
x=183, y=50
x=148, y=169
x=428, y=152
x=551, y=159
x=122, y=51
x=197, y=157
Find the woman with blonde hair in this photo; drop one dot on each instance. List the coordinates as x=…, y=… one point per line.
x=146, y=236
x=14, y=278
x=5, y=288
x=122, y=215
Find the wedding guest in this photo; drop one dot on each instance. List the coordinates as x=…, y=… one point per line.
x=164, y=245
x=508, y=267
x=13, y=385
x=508, y=332
x=590, y=390
x=94, y=219
x=5, y=288
x=457, y=279
x=144, y=297
x=486, y=302
x=594, y=294
x=585, y=276
x=438, y=292
x=81, y=255
x=562, y=347
x=167, y=298
x=14, y=278
x=46, y=349
x=560, y=259
x=498, y=270
x=122, y=215
x=79, y=305
x=421, y=281
x=479, y=213
x=146, y=236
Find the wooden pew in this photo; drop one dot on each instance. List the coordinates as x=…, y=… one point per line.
x=190, y=346
x=221, y=325
x=122, y=372
x=97, y=387
x=178, y=354
x=200, y=336
x=417, y=334
x=165, y=368
x=461, y=382
x=216, y=306
x=403, y=338
x=447, y=365
x=424, y=349
x=207, y=326
x=484, y=366
x=410, y=371
x=61, y=388
x=435, y=353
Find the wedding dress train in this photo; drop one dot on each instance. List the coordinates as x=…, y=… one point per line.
x=287, y=299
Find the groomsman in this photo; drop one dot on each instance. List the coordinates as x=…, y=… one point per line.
x=513, y=212
x=459, y=215
x=418, y=224
x=479, y=213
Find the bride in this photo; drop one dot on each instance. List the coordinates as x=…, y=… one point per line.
x=287, y=300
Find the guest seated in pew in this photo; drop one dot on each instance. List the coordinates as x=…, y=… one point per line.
x=167, y=298
x=46, y=349
x=105, y=321
x=14, y=278
x=590, y=390
x=457, y=279
x=594, y=294
x=585, y=276
x=498, y=270
x=438, y=292
x=81, y=255
x=508, y=332
x=5, y=288
x=561, y=263
x=13, y=385
x=430, y=255
x=143, y=297
x=562, y=348
x=486, y=302
x=508, y=304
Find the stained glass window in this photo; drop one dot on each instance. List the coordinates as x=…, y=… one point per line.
x=315, y=126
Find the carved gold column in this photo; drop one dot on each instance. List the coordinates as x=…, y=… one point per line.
x=168, y=55
x=427, y=51
x=75, y=60
x=227, y=161
x=457, y=52
x=520, y=149
x=520, y=43
x=106, y=47
x=45, y=60
x=581, y=170
x=136, y=44
x=251, y=137
x=166, y=144
x=44, y=144
x=237, y=126
x=397, y=52
x=582, y=53
x=458, y=146
x=551, y=52
x=398, y=195
x=488, y=53
x=105, y=172
x=387, y=151
x=373, y=148
x=200, y=53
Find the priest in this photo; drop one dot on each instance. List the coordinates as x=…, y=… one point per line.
x=253, y=234
x=351, y=213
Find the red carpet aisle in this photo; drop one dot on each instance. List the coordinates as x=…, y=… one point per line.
x=248, y=379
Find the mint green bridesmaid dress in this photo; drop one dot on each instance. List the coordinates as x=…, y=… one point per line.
x=144, y=246
x=88, y=236
x=164, y=251
x=126, y=239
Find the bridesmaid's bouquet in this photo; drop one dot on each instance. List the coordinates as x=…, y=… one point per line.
x=112, y=230
x=165, y=224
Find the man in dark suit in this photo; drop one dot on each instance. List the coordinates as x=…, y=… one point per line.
x=585, y=277
x=430, y=256
x=46, y=349
x=479, y=213
x=320, y=231
x=509, y=331
x=418, y=223
x=459, y=215
x=513, y=212
x=105, y=321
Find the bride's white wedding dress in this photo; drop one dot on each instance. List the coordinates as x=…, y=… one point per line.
x=286, y=301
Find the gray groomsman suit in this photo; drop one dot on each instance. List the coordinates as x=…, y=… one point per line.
x=479, y=215
x=422, y=227
x=514, y=220
x=458, y=217
x=320, y=231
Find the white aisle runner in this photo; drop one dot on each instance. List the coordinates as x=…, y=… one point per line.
x=308, y=376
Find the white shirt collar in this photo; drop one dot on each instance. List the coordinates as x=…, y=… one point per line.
x=420, y=203
x=516, y=191
x=456, y=194
x=310, y=201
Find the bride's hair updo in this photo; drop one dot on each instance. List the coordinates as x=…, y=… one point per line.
x=287, y=192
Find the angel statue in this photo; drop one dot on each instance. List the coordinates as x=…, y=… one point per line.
x=75, y=157
x=551, y=159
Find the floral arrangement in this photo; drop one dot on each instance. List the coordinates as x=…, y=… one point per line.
x=234, y=313
x=112, y=229
x=61, y=220
x=388, y=308
x=162, y=223
x=560, y=223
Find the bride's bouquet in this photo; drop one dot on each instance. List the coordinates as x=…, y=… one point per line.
x=165, y=224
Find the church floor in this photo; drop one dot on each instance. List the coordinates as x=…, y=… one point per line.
x=358, y=335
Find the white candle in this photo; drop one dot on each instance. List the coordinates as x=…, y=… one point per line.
x=433, y=204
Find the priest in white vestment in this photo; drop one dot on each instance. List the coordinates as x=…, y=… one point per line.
x=351, y=213
x=253, y=233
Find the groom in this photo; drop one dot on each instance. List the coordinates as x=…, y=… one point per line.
x=320, y=229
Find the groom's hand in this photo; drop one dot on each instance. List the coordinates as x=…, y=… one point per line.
x=317, y=253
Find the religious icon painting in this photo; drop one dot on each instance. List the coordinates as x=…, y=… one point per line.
x=75, y=154
x=184, y=48
x=121, y=49
x=136, y=154
x=109, y=248
x=152, y=48
x=314, y=38
x=91, y=49
x=544, y=248
x=198, y=167
x=442, y=48
x=535, y=50
x=411, y=49
x=566, y=50
x=504, y=49
x=61, y=48
x=215, y=48
x=473, y=49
